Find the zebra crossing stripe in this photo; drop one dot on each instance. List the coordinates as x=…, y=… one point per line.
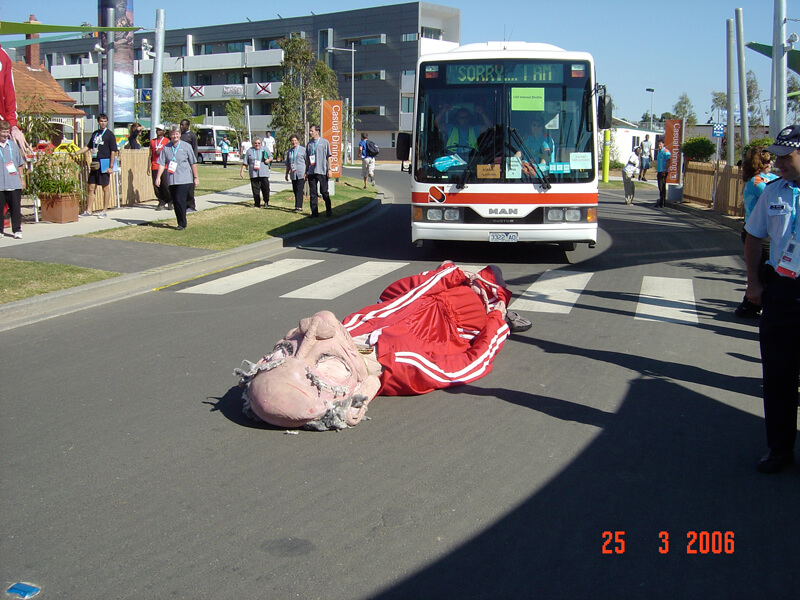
x=237, y=281
x=346, y=281
x=666, y=299
x=554, y=292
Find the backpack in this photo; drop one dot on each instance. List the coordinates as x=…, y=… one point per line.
x=372, y=148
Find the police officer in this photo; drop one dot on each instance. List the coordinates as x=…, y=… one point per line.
x=777, y=289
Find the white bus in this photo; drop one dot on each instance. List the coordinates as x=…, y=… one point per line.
x=208, y=139
x=504, y=146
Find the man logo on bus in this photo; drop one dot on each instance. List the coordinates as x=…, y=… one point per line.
x=436, y=195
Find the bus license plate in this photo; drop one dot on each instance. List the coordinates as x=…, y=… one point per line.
x=507, y=236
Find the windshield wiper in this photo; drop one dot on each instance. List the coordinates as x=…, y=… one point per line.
x=540, y=176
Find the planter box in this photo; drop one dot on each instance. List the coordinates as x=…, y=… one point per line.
x=60, y=208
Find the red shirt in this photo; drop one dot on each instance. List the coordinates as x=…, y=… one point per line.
x=156, y=145
x=433, y=331
x=8, y=97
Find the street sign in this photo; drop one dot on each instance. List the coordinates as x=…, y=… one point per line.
x=718, y=130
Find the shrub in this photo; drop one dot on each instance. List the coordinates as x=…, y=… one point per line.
x=698, y=148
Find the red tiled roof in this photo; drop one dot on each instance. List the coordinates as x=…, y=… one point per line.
x=30, y=84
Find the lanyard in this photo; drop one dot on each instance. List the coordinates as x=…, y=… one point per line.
x=314, y=149
x=98, y=136
x=11, y=151
x=175, y=151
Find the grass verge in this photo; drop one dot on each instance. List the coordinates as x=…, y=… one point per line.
x=24, y=279
x=237, y=224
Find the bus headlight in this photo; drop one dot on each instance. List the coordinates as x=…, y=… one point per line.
x=573, y=215
x=452, y=214
x=434, y=214
x=555, y=214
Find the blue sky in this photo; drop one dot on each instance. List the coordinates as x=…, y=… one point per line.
x=673, y=47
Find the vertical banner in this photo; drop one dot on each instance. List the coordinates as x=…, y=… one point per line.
x=332, y=131
x=673, y=135
x=123, y=58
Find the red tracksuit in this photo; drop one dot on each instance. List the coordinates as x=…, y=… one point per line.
x=431, y=331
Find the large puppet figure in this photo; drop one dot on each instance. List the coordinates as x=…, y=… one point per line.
x=430, y=331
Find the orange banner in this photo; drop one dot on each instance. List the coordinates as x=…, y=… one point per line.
x=672, y=142
x=332, y=131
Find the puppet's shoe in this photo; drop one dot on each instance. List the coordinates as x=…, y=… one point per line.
x=516, y=322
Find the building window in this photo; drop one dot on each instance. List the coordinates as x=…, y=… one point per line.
x=183, y=50
x=371, y=110
x=324, y=40
x=271, y=44
x=432, y=33
x=406, y=104
x=366, y=40
x=234, y=78
x=367, y=75
x=200, y=49
x=202, y=78
x=235, y=47
x=394, y=139
x=410, y=37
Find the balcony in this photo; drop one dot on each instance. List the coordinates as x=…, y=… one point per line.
x=79, y=71
x=213, y=62
x=212, y=93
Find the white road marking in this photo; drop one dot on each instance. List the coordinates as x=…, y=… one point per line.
x=554, y=292
x=346, y=281
x=243, y=279
x=667, y=299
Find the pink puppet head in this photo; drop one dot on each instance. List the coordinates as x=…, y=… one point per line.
x=314, y=378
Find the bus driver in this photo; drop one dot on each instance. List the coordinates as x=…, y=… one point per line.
x=461, y=137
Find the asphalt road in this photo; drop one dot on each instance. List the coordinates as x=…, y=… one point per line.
x=128, y=470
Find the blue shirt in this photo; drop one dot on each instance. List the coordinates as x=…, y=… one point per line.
x=662, y=160
x=753, y=189
x=775, y=216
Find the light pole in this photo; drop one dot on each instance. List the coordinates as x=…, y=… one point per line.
x=352, y=50
x=652, y=95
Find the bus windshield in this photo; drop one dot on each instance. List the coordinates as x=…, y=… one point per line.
x=505, y=121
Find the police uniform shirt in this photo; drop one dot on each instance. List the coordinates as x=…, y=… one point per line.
x=774, y=216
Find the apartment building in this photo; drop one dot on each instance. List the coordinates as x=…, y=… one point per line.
x=209, y=65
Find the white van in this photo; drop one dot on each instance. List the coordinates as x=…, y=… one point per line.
x=208, y=139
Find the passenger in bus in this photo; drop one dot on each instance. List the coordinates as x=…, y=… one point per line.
x=539, y=143
x=461, y=136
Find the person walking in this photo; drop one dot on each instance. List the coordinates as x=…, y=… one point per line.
x=629, y=172
x=318, y=165
x=257, y=161
x=269, y=143
x=367, y=161
x=296, y=170
x=189, y=136
x=156, y=146
x=647, y=156
x=103, y=147
x=12, y=181
x=776, y=288
x=178, y=160
x=662, y=170
x=225, y=148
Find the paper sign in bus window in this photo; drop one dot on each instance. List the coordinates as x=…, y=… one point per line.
x=513, y=167
x=527, y=99
x=580, y=160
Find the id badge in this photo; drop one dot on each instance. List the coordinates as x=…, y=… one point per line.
x=94, y=152
x=789, y=265
x=256, y=165
x=173, y=166
x=11, y=168
x=312, y=159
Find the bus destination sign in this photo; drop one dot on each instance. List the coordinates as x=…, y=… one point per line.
x=468, y=73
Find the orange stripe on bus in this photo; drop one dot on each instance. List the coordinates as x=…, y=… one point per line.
x=548, y=199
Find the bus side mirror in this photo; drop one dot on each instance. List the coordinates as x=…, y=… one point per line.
x=604, y=113
x=403, y=146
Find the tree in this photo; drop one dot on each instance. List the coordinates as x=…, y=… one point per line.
x=236, y=119
x=173, y=107
x=793, y=102
x=306, y=81
x=645, y=120
x=719, y=101
x=667, y=115
x=684, y=110
x=754, y=110
x=34, y=119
